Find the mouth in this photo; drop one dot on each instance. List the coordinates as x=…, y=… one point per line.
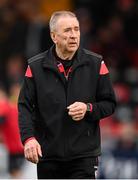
x=73, y=43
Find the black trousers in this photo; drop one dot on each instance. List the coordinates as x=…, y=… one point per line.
x=82, y=168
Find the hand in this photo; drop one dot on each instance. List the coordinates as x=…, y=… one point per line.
x=32, y=151
x=77, y=110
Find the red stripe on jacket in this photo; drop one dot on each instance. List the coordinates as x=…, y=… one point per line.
x=28, y=72
x=103, y=69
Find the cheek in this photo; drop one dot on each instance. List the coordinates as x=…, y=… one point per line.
x=65, y=38
x=78, y=40
x=79, y=36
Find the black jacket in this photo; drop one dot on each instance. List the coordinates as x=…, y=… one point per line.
x=44, y=98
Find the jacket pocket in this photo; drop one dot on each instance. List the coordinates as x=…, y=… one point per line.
x=84, y=140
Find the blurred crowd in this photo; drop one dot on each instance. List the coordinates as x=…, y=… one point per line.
x=108, y=27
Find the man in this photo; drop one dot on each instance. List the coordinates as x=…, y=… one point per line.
x=65, y=93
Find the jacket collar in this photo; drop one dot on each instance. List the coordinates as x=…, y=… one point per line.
x=50, y=62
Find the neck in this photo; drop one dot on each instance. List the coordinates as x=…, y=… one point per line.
x=65, y=55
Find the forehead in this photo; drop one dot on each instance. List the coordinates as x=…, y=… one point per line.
x=67, y=21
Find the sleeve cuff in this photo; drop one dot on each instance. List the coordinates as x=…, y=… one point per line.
x=89, y=107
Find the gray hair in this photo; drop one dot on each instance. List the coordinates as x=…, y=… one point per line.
x=56, y=15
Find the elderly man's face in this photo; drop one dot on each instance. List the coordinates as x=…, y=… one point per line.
x=67, y=34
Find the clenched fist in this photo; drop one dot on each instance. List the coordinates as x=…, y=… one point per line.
x=77, y=110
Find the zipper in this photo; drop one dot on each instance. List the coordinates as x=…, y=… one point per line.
x=66, y=82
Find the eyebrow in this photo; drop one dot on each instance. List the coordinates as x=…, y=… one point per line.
x=68, y=28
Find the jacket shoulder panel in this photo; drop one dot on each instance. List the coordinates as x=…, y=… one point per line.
x=37, y=57
x=93, y=54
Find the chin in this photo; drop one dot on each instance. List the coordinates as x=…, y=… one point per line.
x=72, y=49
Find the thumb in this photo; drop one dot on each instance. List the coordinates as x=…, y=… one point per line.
x=72, y=105
x=39, y=150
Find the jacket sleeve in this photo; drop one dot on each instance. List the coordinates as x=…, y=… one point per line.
x=26, y=106
x=105, y=103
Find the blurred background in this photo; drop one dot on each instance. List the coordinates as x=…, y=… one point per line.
x=108, y=27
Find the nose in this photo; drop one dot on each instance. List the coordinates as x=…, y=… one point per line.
x=73, y=34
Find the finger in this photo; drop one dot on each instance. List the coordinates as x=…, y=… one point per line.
x=76, y=108
x=27, y=152
x=76, y=118
x=34, y=155
x=31, y=155
x=78, y=113
x=39, y=151
x=72, y=105
x=28, y=155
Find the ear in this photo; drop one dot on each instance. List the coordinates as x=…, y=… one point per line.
x=53, y=37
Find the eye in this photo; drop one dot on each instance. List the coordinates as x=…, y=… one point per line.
x=76, y=28
x=67, y=30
